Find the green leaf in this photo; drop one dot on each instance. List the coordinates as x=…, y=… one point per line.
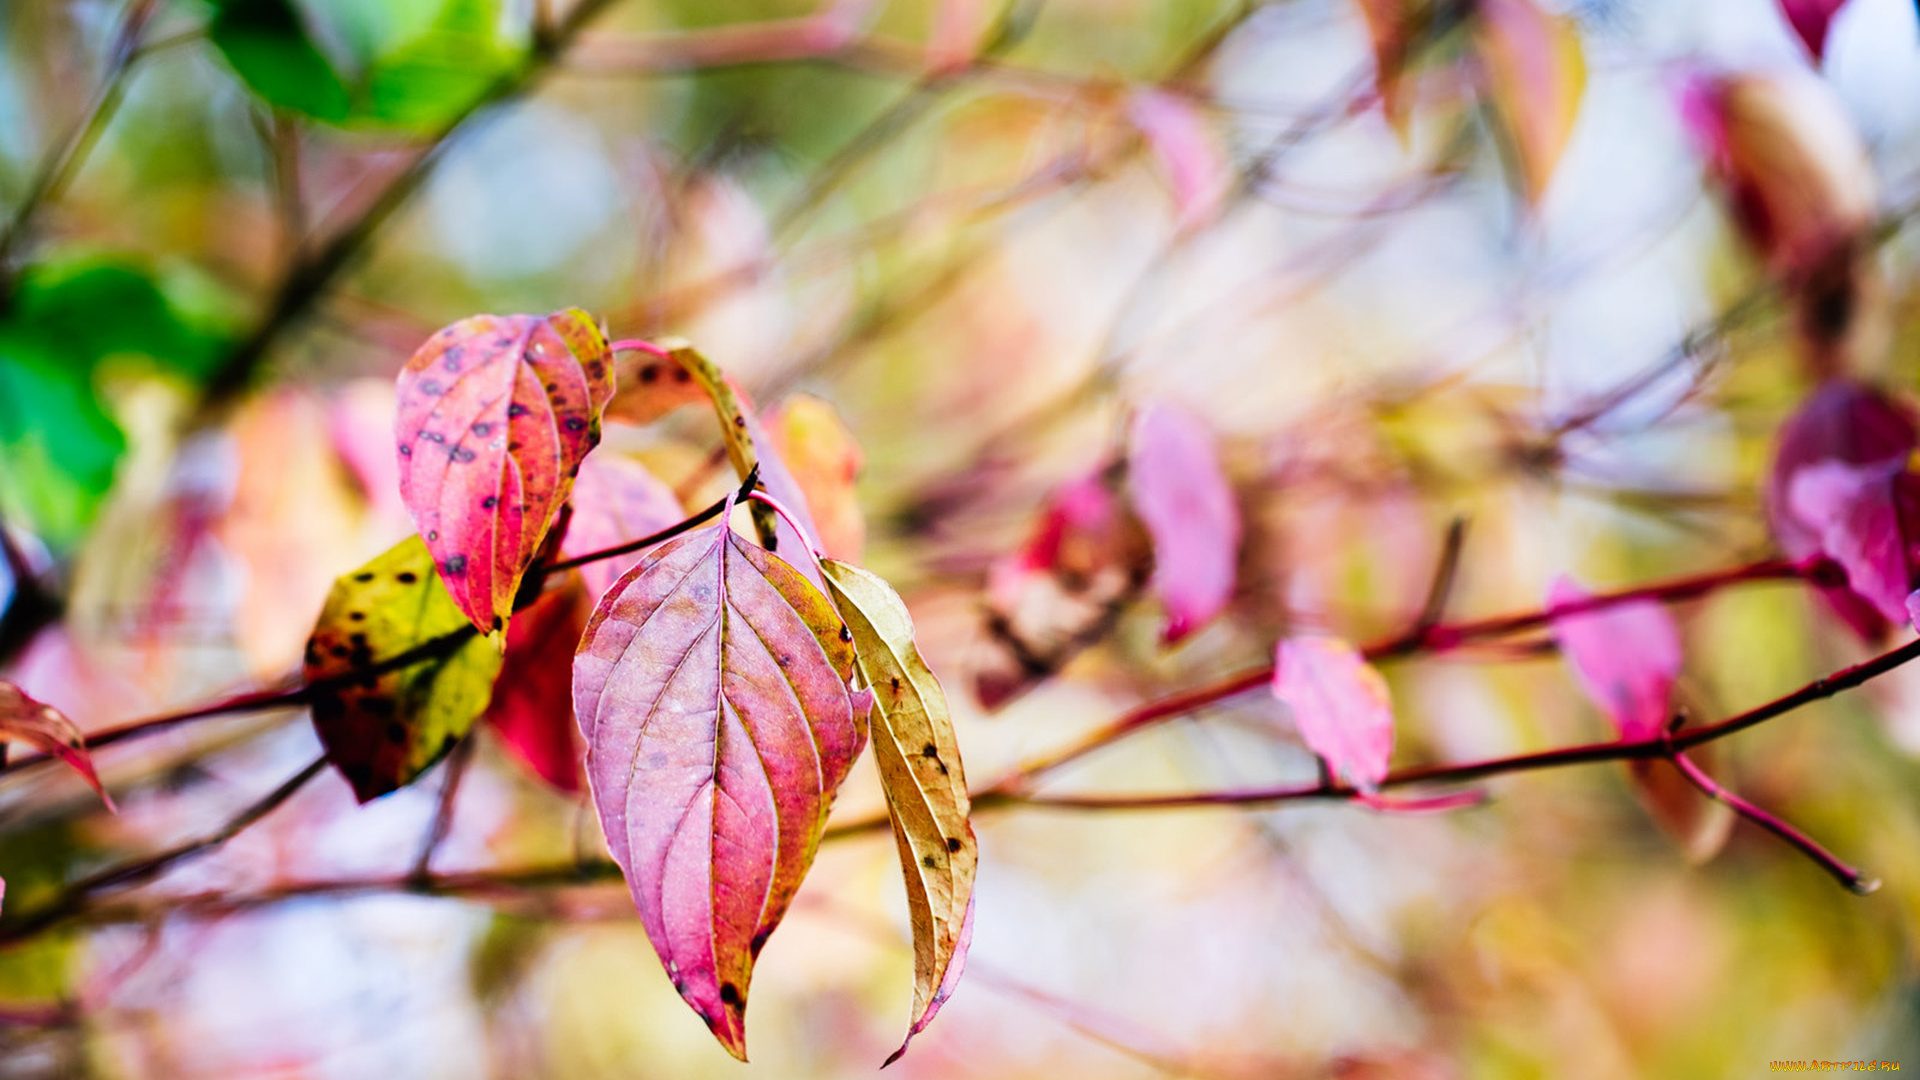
x=93, y=307
x=919, y=759
x=269, y=48
x=58, y=448
x=430, y=80
x=382, y=730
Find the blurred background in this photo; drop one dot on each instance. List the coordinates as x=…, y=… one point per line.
x=1519, y=291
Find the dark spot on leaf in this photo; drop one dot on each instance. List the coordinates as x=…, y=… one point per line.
x=730, y=995
x=574, y=423
x=432, y=386
x=483, y=429
x=845, y=634
x=895, y=680
x=313, y=654
x=406, y=577
x=681, y=375
x=929, y=861
x=759, y=942
x=433, y=436
x=446, y=744
x=453, y=360
x=396, y=732
x=649, y=374
x=953, y=843
x=489, y=502
x=739, y=421
x=461, y=454
x=433, y=534
x=359, y=641
x=514, y=412
x=339, y=651
x=363, y=577
x=930, y=751
x=455, y=566
x=406, y=451
x=357, y=616
x=496, y=622
x=378, y=706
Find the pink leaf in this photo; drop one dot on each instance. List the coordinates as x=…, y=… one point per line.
x=1625, y=656
x=1811, y=19
x=47, y=729
x=1188, y=151
x=1189, y=510
x=615, y=499
x=711, y=687
x=532, y=705
x=1859, y=514
x=948, y=983
x=495, y=416
x=1340, y=705
x=1536, y=74
x=1391, y=25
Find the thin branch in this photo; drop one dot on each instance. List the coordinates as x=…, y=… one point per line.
x=61, y=164
x=1855, y=881
x=76, y=896
x=442, y=823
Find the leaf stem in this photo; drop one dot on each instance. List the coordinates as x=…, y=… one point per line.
x=1855, y=882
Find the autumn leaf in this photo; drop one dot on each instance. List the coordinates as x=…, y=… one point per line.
x=1184, y=499
x=1536, y=74
x=825, y=461
x=1863, y=515
x=1626, y=657
x=47, y=729
x=1339, y=704
x=495, y=416
x=1391, y=27
x=615, y=499
x=532, y=704
x=1060, y=591
x=1189, y=153
x=648, y=387
x=749, y=447
x=1811, y=19
x=926, y=788
x=711, y=686
x=382, y=729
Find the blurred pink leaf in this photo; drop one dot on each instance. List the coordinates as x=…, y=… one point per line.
x=1625, y=656
x=1188, y=150
x=47, y=729
x=1340, y=705
x=1849, y=422
x=615, y=499
x=360, y=424
x=1188, y=507
x=495, y=416
x=1811, y=20
x=1060, y=591
x=1801, y=188
x=1536, y=74
x=532, y=705
x=1390, y=26
x=711, y=687
x=1863, y=516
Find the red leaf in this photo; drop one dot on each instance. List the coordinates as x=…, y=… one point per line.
x=1811, y=19
x=615, y=499
x=47, y=729
x=711, y=686
x=532, y=706
x=1183, y=497
x=1625, y=656
x=495, y=416
x=1339, y=703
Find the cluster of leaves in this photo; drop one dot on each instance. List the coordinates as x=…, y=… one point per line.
x=722, y=691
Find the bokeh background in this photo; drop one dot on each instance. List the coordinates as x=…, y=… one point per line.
x=983, y=233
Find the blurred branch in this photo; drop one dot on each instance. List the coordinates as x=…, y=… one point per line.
x=310, y=277
x=51, y=179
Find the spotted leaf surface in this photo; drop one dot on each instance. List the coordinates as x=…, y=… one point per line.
x=382, y=729
x=532, y=705
x=47, y=729
x=1184, y=499
x=615, y=499
x=712, y=689
x=926, y=788
x=495, y=415
x=1340, y=705
x=1626, y=657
